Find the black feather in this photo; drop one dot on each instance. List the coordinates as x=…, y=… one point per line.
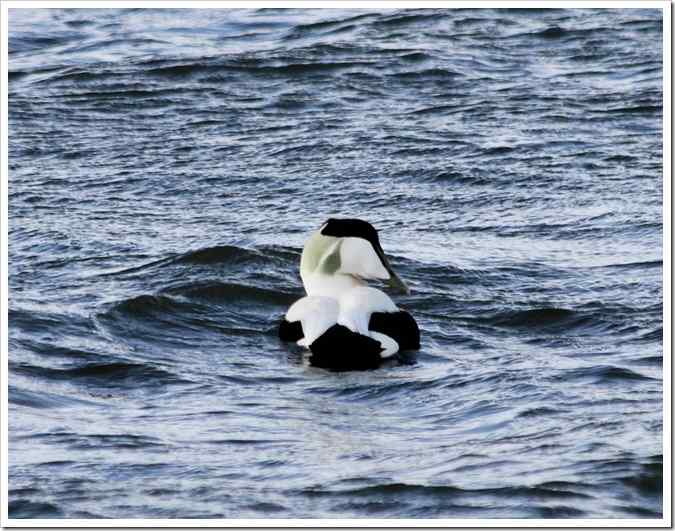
x=340, y=349
x=290, y=331
x=400, y=326
x=351, y=228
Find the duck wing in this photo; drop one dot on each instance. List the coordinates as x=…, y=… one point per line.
x=399, y=325
x=313, y=314
x=358, y=304
x=356, y=308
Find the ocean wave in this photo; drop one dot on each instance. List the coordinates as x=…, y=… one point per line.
x=602, y=374
x=103, y=375
x=26, y=508
x=232, y=293
x=540, y=317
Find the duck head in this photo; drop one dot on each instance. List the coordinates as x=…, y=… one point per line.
x=347, y=250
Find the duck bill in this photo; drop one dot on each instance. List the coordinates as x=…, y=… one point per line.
x=394, y=280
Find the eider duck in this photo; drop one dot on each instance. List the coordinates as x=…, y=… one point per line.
x=346, y=324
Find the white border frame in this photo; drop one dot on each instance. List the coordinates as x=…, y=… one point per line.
x=665, y=521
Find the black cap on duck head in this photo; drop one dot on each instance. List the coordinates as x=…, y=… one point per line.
x=357, y=228
x=351, y=228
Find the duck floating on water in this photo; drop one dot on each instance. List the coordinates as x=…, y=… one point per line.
x=346, y=324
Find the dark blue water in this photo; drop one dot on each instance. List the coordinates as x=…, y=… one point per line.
x=165, y=169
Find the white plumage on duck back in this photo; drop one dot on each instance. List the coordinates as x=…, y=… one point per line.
x=316, y=315
x=358, y=304
x=352, y=310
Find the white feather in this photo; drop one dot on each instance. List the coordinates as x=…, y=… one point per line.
x=353, y=310
x=316, y=315
x=358, y=304
x=358, y=257
x=389, y=345
x=319, y=284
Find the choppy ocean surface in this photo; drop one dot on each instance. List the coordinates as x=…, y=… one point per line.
x=167, y=165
